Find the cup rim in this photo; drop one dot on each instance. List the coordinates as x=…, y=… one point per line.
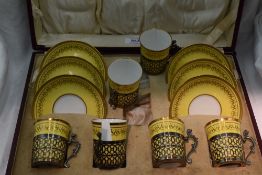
x=222, y=119
x=136, y=79
x=52, y=119
x=165, y=118
x=161, y=30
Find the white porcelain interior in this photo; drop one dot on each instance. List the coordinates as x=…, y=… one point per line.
x=155, y=39
x=125, y=71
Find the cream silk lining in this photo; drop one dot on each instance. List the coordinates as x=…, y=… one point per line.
x=3, y=63
x=258, y=42
x=207, y=21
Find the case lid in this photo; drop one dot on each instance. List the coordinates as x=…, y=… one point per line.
x=118, y=23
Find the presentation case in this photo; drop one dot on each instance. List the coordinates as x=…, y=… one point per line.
x=115, y=43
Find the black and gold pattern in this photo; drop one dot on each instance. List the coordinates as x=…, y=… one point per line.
x=226, y=144
x=166, y=147
x=76, y=65
x=118, y=131
x=49, y=151
x=194, y=52
x=84, y=50
x=153, y=67
x=50, y=143
x=197, y=68
x=226, y=148
x=109, y=154
x=52, y=90
x=154, y=55
x=226, y=95
x=122, y=100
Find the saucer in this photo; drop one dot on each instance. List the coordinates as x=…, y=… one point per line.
x=198, y=68
x=52, y=90
x=78, y=49
x=194, y=52
x=70, y=66
x=222, y=91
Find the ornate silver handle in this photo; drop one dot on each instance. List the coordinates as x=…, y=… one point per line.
x=113, y=99
x=192, y=137
x=74, y=141
x=174, y=48
x=252, y=148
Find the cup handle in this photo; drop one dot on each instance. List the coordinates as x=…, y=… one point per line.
x=113, y=99
x=74, y=141
x=174, y=48
x=246, y=137
x=99, y=135
x=192, y=137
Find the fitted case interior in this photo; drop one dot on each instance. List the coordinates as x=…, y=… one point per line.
x=139, y=159
x=118, y=23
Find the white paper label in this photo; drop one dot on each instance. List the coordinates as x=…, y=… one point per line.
x=106, y=131
x=133, y=41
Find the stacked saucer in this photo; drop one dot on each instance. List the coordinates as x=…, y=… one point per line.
x=198, y=70
x=71, y=68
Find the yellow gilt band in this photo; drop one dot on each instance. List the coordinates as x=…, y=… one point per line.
x=124, y=89
x=154, y=55
x=221, y=127
x=118, y=132
x=52, y=127
x=166, y=125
